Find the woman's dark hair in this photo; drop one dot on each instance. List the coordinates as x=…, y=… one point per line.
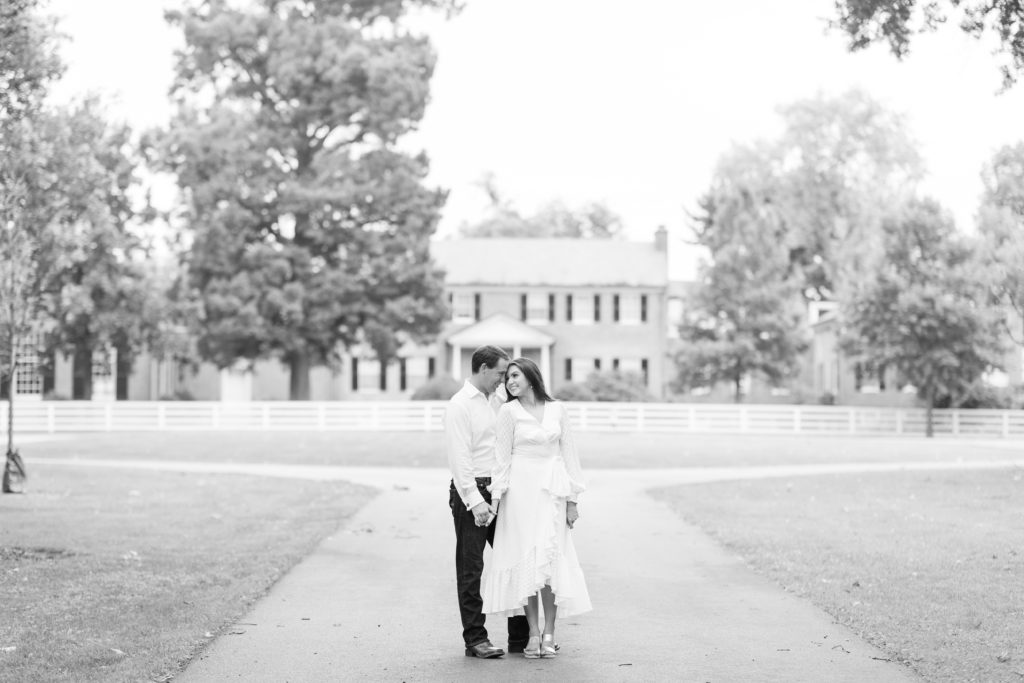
x=532, y=374
x=487, y=355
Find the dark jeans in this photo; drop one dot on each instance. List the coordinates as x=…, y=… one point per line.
x=470, y=541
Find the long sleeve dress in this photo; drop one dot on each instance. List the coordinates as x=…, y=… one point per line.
x=537, y=472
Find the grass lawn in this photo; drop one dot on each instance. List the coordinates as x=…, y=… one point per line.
x=426, y=449
x=109, y=575
x=929, y=567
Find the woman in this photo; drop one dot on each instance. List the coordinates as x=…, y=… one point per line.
x=537, y=480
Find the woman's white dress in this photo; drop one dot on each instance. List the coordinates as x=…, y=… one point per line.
x=537, y=471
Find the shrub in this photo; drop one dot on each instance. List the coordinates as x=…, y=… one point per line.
x=440, y=388
x=575, y=392
x=617, y=386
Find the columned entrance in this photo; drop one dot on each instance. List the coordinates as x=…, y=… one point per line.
x=504, y=331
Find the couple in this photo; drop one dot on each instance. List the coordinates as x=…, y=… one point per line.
x=515, y=480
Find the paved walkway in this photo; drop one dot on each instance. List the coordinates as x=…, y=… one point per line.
x=376, y=601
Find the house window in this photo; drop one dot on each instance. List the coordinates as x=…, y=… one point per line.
x=416, y=370
x=643, y=370
x=401, y=374
x=643, y=308
x=551, y=308
x=537, y=308
x=355, y=374
x=568, y=308
x=597, y=308
x=578, y=369
x=583, y=314
x=431, y=367
x=636, y=365
x=627, y=309
x=367, y=374
x=383, y=376
x=28, y=379
x=465, y=307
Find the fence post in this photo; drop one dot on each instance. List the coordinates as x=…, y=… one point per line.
x=640, y=417
x=796, y=420
x=374, y=416
x=583, y=414
x=321, y=417
x=161, y=417
x=853, y=421
x=51, y=423
x=215, y=416
x=108, y=417
x=266, y=416
x=691, y=418
x=743, y=419
x=899, y=422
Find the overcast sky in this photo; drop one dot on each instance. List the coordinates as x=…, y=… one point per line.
x=627, y=103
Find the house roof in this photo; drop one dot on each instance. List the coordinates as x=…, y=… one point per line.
x=500, y=329
x=551, y=261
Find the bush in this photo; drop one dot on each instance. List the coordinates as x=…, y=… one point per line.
x=440, y=388
x=179, y=395
x=613, y=385
x=575, y=392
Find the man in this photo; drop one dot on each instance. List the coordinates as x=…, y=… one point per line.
x=469, y=425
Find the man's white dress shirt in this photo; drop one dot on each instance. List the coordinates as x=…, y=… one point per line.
x=469, y=427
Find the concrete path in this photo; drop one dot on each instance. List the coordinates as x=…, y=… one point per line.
x=376, y=601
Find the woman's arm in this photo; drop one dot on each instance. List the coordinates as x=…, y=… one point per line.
x=567, y=446
x=504, y=433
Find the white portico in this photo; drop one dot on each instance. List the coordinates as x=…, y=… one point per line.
x=503, y=331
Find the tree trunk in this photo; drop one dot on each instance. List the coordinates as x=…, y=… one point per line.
x=737, y=395
x=298, y=385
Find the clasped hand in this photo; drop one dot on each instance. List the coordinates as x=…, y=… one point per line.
x=484, y=514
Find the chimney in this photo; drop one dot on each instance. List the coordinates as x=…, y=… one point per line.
x=661, y=239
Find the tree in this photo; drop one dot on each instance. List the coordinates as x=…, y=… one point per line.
x=1001, y=225
x=745, y=318
x=839, y=161
x=555, y=219
x=310, y=228
x=895, y=21
x=923, y=312
x=28, y=62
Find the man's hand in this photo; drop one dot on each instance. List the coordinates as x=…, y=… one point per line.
x=571, y=513
x=482, y=513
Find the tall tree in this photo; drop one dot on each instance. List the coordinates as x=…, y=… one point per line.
x=1001, y=225
x=839, y=161
x=745, y=317
x=310, y=228
x=896, y=21
x=923, y=311
x=28, y=63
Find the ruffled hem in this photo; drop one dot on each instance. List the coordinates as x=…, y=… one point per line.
x=506, y=591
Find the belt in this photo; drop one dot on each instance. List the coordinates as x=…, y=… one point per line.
x=483, y=480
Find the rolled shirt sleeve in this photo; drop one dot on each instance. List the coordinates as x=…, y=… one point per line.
x=459, y=439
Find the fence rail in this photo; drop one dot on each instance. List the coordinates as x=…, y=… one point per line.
x=126, y=416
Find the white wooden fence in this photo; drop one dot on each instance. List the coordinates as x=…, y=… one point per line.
x=129, y=416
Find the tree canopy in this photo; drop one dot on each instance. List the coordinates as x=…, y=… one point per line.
x=555, y=219
x=923, y=311
x=310, y=227
x=896, y=21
